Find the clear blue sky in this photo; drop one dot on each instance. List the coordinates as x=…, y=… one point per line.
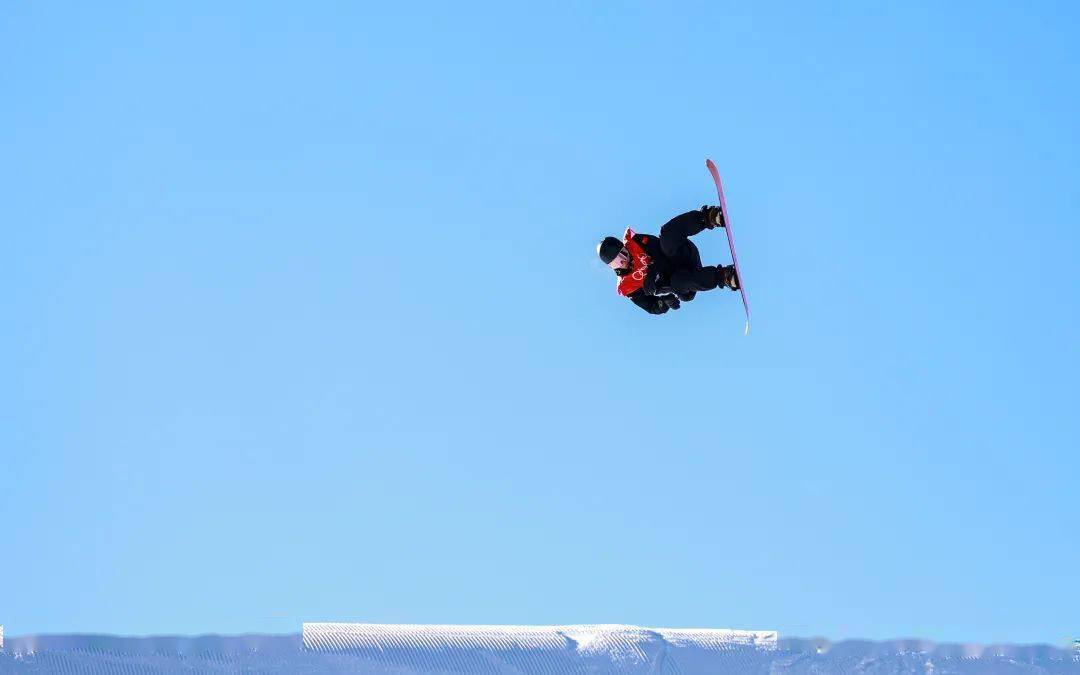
x=302, y=318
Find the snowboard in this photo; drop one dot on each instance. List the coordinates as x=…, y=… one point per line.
x=730, y=240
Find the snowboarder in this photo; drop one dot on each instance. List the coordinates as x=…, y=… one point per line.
x=660, y=273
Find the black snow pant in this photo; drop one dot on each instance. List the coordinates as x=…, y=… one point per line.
x=688, y=275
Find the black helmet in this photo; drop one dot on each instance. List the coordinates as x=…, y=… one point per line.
x=608, y=249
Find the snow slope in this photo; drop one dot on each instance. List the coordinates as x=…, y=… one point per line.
x=562, y=650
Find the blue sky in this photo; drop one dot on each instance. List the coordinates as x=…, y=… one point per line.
x=303, y=321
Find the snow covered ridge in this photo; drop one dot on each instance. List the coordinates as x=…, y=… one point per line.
x=522, y=650
x=353, y=636
x=538, y=649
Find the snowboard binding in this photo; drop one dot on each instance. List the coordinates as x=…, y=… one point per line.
x=714, y=216
x=728, y=277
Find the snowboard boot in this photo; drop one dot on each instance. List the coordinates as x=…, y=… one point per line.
x=714, y=216
x=727, y=276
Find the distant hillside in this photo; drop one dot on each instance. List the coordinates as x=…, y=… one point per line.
x=519, y=650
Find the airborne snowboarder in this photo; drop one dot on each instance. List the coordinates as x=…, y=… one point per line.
x=660, y=273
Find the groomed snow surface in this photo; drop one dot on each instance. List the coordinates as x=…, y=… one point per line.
x=520, y=650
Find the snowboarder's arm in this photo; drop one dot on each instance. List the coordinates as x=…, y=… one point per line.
x=657, y=283
x=650, y=303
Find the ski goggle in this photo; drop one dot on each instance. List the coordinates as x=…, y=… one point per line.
x=620, y=260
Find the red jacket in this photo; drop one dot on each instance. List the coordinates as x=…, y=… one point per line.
x=644, y=283
x=634, y=280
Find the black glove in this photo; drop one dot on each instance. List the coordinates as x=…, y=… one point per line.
x=671, y=301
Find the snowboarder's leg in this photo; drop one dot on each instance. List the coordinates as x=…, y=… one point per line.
x=677, y=232
x=687, y=258
x=687, y=281
x=683, y=226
